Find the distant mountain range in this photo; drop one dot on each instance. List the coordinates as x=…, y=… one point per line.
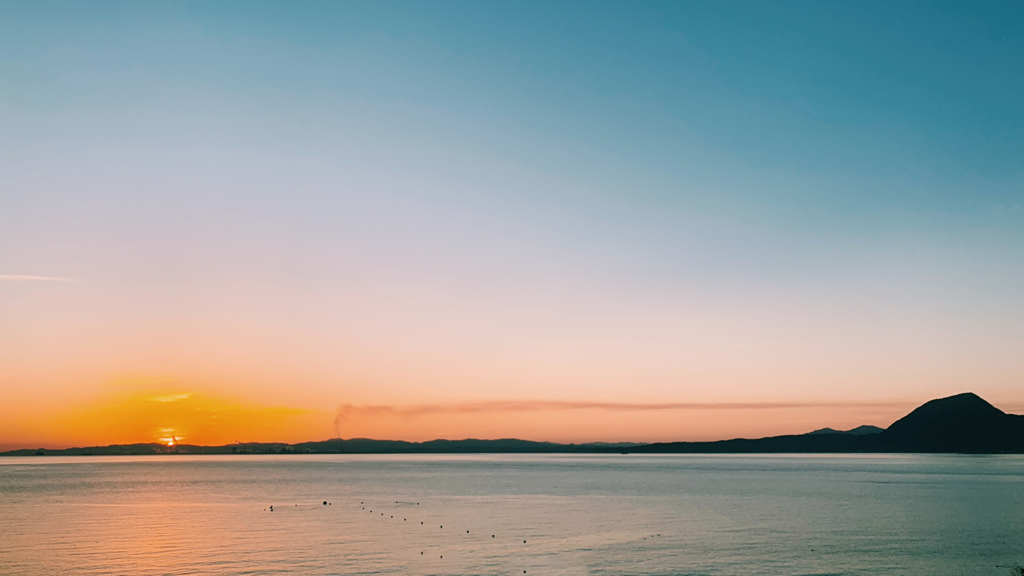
x=339, y=446
x=858, y=431
x=964, y=423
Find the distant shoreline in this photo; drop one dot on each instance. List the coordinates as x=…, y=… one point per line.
x=961, y=424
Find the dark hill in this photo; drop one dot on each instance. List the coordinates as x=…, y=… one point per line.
x=827, y=443
x=963, y=423
x=468, y=446
x=858, y=431
x=959, y=424
x=338, y=446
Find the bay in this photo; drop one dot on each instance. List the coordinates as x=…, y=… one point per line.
x=513, y=514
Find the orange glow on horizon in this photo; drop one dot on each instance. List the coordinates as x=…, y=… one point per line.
x=126, y=414
x=163, y=414
x=173, y=412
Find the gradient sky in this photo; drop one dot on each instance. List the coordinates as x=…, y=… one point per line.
x=562, y=221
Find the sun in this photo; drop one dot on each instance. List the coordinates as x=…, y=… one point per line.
x=168, y=437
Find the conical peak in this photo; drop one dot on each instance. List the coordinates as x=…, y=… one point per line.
x=966, y=402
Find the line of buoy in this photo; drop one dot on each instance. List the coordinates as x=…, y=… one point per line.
x=440, y=525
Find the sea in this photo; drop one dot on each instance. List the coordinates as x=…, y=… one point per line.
x=513, y=514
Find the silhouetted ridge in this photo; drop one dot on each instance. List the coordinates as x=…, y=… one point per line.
x=858, y=431
x=961, y=423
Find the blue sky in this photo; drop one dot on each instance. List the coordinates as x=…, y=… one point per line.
x=838, y=109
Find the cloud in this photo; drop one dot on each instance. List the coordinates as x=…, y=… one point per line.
x=25, y=278
x=171, y=397
x=347, y=411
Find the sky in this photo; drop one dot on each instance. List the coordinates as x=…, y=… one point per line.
x=566, y=221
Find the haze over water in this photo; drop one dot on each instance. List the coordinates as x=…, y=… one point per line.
x=593, y=514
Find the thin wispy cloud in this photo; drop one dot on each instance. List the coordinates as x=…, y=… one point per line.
x=171, y=397
x=28, y=278
x=347, y=411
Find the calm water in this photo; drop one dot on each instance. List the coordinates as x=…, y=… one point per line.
x=609, y=514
